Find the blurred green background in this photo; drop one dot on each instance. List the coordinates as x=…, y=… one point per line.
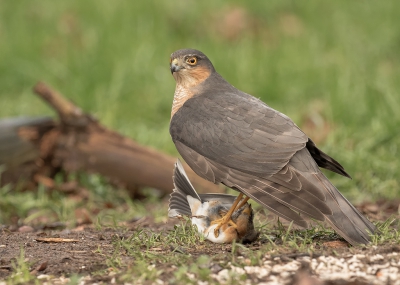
x=332, y=66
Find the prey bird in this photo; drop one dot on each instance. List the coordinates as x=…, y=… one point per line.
x=230, y=137
x=203, y=209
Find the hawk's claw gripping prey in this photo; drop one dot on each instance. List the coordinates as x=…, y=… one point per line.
x=206, y=210
x=220, y=223
x=230, y=137
x=226, y=219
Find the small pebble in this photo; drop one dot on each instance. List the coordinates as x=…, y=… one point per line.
x=26, y=229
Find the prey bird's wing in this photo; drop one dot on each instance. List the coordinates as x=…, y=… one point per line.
x=238, y=140
x=179, y=204
x=225, y=199
x=182, y=182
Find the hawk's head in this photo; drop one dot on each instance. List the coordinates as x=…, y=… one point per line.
x=190, y=67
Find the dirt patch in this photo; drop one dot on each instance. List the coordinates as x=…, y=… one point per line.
x=61, y=258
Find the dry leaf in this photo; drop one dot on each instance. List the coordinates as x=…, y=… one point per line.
x=40, y=267
x=56, y=240
x=335, y=244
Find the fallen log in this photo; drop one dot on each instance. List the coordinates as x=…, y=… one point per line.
x=36, y=149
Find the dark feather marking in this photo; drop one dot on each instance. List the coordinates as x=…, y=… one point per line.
x=325, y=161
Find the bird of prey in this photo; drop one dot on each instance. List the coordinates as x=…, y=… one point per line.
x=203, y=209
x=230, y=137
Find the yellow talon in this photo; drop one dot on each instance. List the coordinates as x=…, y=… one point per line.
x=220, y=223
x=227, y=218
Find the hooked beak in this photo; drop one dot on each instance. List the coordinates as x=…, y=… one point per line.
x=174, y=66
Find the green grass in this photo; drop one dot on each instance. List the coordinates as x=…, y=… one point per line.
x=21, y=270
x=336, y=63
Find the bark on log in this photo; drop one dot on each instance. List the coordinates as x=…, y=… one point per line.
x=79, y=142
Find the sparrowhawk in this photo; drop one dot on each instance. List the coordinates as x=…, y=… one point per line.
x=230, y=137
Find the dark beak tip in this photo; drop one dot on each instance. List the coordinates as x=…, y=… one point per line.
x=173, y=68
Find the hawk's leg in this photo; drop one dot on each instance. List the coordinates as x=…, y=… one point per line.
x=227, y=218
x=242, y=203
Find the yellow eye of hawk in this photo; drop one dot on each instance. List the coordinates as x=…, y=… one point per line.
x=191, y=60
